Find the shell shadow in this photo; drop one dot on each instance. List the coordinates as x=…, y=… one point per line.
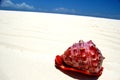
x=78, y=76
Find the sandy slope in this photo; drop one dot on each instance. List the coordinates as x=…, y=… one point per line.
x=30, y=41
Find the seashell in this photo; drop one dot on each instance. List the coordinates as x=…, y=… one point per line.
x=82, y=57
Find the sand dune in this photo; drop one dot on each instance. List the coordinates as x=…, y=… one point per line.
x=30, y=41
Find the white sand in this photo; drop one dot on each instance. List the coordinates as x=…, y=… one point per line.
x=30, y=41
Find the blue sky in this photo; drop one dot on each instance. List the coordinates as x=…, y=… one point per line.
x=96, y=8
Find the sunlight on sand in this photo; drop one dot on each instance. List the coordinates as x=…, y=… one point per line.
x=30, y=41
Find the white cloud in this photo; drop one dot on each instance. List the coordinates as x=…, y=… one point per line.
x=65, y=10
x=9, y=3
x=24, y=5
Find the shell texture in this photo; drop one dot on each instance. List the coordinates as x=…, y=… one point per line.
x=82, y=56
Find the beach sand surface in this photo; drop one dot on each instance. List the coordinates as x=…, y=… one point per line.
x=29, y=42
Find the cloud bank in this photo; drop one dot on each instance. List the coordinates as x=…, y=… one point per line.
x=9, y=3
x=65, y=10
x=24, y=6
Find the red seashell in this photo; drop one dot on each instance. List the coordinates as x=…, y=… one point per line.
x=82, y=57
